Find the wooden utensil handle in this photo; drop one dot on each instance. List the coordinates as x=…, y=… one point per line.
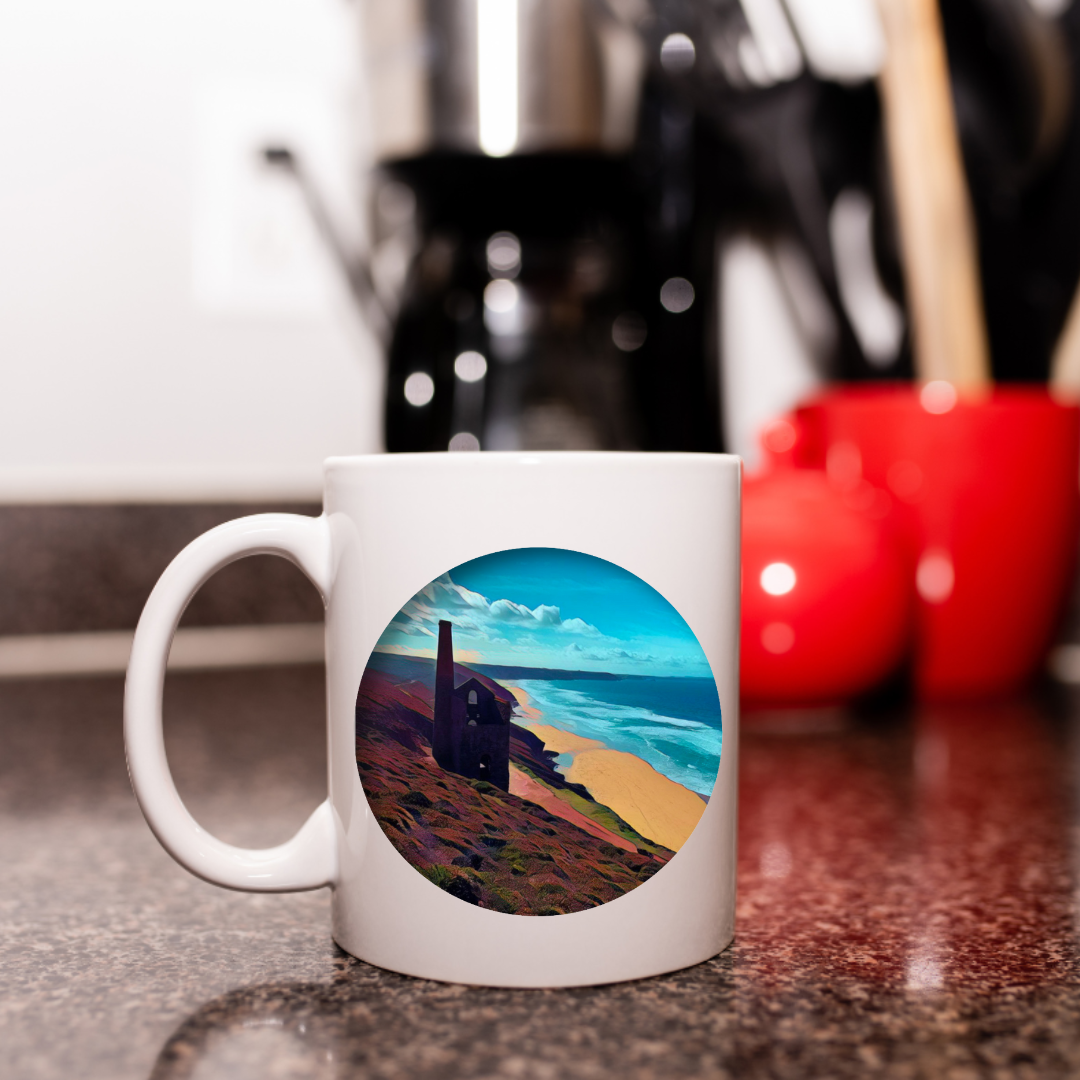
x=937, y=232
x=1065, y=364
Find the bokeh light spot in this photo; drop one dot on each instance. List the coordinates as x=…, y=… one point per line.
x=629, y=331
x=470, y=367
x=419, y=388
x=779, y=436
x=500, y=295
x=676, y=295
x=935, y=577
x=504, y=255
x=464, y=440
x=778, y=579
x=677, y=54
x=778, y=638
x=938, y=397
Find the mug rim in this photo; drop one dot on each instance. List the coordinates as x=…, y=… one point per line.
x=452, y=458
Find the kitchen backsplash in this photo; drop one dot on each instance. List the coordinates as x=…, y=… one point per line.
x=75, y=568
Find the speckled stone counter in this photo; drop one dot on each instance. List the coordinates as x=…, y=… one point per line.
x=906, y=910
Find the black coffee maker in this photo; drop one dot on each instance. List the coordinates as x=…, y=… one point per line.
x=536, y=200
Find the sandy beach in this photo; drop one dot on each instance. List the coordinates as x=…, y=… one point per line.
x=657, y=807
x=563, y=742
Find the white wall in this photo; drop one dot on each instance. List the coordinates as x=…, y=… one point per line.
x=170, y=327
x=776, y=328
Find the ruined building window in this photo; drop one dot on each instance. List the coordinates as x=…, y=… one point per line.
x=485, y=766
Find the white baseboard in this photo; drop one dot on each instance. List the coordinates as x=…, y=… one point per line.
x=194, y=649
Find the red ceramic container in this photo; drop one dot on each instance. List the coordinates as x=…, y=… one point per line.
x=990, y=492
x=826, y=598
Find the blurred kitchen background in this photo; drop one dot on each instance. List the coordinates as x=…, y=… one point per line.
x=178, y=347
x=239, y=238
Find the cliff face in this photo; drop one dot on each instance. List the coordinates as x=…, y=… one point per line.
x=555, y=852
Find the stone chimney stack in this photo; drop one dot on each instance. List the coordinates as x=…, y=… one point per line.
x=442, y=738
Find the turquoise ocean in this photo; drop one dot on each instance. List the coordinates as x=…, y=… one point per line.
x=672, y=723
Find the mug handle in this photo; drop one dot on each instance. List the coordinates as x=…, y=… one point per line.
x=309, y=859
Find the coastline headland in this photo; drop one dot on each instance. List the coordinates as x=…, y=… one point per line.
x=547, y=846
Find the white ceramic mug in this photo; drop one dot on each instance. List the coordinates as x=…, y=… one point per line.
x=528, y=658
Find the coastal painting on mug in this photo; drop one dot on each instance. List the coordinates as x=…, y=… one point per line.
x=538, y=731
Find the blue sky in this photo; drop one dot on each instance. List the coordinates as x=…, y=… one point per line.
x=549, y=608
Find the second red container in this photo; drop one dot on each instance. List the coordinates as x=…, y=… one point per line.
x=989, y=490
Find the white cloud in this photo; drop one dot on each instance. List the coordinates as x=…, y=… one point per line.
x=471, y=612
x=547, y=615
x=509, y=611
x=613, y=653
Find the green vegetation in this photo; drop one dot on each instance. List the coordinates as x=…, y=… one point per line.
x=440, y=876
x=551, y=888
x=504, y=900
x=514, y=857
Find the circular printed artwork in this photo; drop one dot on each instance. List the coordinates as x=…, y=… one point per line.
x=538, y=731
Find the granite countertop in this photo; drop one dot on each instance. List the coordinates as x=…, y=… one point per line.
x=906, y=909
